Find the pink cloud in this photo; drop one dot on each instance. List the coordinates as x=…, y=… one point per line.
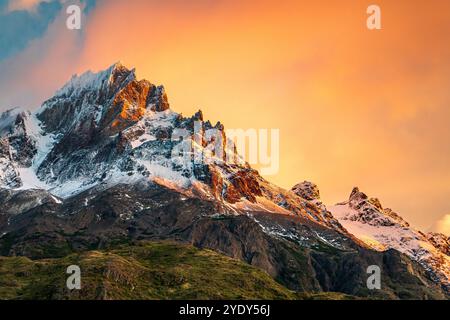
x=33, y=75
x=443, y=225
x=29, y=5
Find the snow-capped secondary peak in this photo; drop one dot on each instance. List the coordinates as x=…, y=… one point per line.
x=370, y=211
x=383, y=229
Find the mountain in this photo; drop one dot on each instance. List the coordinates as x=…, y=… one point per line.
x=381, y=229
x=106, y=162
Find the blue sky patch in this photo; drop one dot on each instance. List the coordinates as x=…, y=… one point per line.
x=18, y=28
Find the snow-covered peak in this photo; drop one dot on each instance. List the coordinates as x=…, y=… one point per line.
x=383, y=229
x=90, y=81
x=370, y=211
x=108, y=101
x=108, y=126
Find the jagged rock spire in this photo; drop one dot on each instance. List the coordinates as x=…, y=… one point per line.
x=198, y=115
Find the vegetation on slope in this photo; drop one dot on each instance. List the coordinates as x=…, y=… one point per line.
x=145, y=271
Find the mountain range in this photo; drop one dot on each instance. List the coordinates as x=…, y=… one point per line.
x=106, y=163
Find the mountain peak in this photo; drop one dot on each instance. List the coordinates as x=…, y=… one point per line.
x=118, y=73
x=118, y=66
x=112, y=77
x=198, y=115
x=108, y=101
x=382, y=228
x=357, y=195
x=370, y=210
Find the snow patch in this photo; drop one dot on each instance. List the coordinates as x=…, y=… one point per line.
x=142, y=139
x=56, y=199
x=30, y=180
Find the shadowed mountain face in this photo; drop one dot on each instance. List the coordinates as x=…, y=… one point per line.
x=298, y=253
x=107, y=162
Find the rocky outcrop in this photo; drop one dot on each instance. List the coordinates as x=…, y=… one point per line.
x=157, y=99
x=440, y=241
x=15, y=202
x=9, y=175
x=307, y=190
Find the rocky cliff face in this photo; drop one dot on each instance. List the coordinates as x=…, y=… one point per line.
x=106, y=160
x=307, y=190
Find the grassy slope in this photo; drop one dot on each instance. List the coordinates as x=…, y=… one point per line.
x=145, y=271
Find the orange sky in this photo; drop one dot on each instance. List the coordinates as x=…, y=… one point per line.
x=354, y=107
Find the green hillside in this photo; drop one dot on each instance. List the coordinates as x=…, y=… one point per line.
x=145, y=271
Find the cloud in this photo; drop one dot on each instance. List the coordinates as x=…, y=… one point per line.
x=27, y=5
x=32, y=6
x=442, y=225
x=45, y=63
x=22, y=21
x=32, y=75
x=19, y=27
